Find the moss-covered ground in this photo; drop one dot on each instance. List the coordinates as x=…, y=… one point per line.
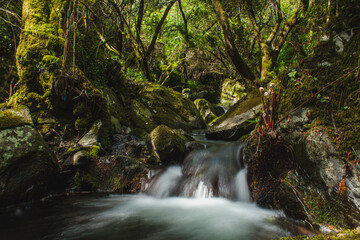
x=346, y=235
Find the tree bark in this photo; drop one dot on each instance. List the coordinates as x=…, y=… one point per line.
x=231, y=50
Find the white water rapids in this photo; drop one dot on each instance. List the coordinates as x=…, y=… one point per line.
x=185, y=203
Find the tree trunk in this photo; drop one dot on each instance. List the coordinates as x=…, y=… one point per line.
x=49, y=79
x=41, y=45
x=231, y=50
x=266, y=62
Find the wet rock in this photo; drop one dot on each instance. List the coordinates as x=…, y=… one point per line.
x=206, y=109
x=27, y=166
x=237, y=121
x=321, y=153
x=293, y=126
x=167, y=145
x=191, y=146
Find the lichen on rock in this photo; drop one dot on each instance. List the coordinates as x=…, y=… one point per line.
x=27, y=166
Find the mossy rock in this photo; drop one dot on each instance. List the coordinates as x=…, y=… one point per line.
x=232, y=91
x=27, y=166
x=206, y=109
x=167, y=146
x=13, y=117
x=239, y=120
x=154, y=105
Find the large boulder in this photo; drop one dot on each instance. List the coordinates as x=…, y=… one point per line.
x=237, y=121
x=167, y=146
x=27, y=166
x=206, y=109
x=154, y=105
x=319, y=188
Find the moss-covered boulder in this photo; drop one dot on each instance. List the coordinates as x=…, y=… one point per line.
x=15, y=117
x=232, y=91
x=154, y=105
x=167, y=146
x=206, y=109
x=27, y=166
x=239, y=120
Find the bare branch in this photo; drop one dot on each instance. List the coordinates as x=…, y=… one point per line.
x=18, y=18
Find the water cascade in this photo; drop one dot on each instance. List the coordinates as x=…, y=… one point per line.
x=206, y=198
x=217, y=171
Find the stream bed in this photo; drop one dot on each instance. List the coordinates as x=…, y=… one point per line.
x=207, y=198
x=140, y=217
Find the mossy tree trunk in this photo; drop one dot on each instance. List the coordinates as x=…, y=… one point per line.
x=50, y=81
x=271, y=44
x=40, y=50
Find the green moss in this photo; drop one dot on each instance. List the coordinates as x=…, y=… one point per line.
x=344, y=235
x=9, y=119
x=206, y=109
x=72, y=150
x=83, y=123
x=94, y=151
x=84, y=181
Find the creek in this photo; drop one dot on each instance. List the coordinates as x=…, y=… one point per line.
x=205, y=198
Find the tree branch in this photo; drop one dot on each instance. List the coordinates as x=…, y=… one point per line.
x=231, y=50
x=18, y=18
x=158, y=28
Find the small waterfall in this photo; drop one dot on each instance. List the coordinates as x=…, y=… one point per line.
x=165, y=184
x=241, y=186
x=217, y=171
x=203, y=191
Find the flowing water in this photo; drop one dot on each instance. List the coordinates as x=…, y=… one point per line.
x=205, y=198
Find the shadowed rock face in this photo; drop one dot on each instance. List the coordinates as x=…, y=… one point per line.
x=319, y=188
x=27, y=166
